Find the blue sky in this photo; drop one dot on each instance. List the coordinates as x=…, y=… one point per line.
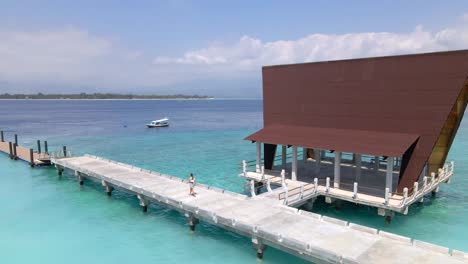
x=205, y=47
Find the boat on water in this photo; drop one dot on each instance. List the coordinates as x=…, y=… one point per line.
x=159, y=123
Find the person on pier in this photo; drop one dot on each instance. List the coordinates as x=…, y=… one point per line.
x=192, y=184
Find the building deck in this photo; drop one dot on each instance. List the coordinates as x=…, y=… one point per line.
x=316, y=238
x=296, y=193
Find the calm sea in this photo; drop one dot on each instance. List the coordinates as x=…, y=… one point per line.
x=46, y=220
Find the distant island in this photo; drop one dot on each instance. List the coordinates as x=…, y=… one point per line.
x=100, y=96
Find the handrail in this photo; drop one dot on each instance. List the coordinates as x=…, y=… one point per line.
x=416, y=191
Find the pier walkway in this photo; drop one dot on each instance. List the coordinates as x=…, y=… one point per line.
x=316, y=238
x=33, y=157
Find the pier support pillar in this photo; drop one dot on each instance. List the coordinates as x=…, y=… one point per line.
x=46, y=148
x=16, y=139
x=389, y=176
x=259, y=247
x=15, y=153
x=2, y=138
x=59, y=171
x=388, y=214
x=108, y=188
x=283, y=156
x=143, y=202
x=10, y=145
x=258, y=163
x=79, y=177
x=358, y=161
x=337, y=176
x=294, y=164
x=31, y=158
x=192, y=221
x=309, y=205
x=318, y=158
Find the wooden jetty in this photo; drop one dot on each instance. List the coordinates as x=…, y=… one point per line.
x=313, y=237
x=33, y=157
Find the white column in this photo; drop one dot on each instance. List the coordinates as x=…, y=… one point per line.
x=259, y=156
x=389, y=178
x=336, y=180
x=283, y=156
x=358, y=160
x=317, y=155
x=294, y=164
x=304, y=153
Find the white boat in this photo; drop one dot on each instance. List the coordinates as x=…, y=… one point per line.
x=159, y=123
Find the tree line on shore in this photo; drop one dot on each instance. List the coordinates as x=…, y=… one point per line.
x=99, y=96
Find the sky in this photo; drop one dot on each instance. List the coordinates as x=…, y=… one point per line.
x=204, y=47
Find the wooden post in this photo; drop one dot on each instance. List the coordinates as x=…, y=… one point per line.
x=65, y=151
x=46, y=148
x=1, y=136
x=10, y=145
x=15, y=155
x=39, y=146
x=16, y=139
x=31, y=157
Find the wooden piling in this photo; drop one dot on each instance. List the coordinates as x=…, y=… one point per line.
x=2, y=138
x=16, y=139
x=31, y=157
x=10, y=145
x=64, y=151
x=39, y=146
x=46, y=148
x=15, y=154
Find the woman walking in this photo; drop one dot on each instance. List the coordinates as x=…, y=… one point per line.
x=192, y=184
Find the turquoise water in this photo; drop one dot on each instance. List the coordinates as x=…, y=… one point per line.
x=44, y=219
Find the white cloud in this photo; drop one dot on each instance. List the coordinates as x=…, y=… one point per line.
x=72, y=58
x=251, y=53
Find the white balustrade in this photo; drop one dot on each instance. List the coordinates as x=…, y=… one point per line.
x=355, y=190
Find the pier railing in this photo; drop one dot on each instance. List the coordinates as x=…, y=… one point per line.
x=391, y=199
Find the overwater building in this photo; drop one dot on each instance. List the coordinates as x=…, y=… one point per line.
x=373, y=131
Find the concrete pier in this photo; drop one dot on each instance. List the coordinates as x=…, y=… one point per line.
x=313, y=237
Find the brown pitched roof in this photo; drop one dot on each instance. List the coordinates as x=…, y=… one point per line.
x=423, y=94
x=345, y=140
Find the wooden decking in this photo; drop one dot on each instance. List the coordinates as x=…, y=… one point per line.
x=316, y=238
x=23, y=153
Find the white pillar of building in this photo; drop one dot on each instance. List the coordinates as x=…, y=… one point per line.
x=283, y=156
x=259, y=157
x=294, y=164
x=304, y=153
x=317, y=155
x=389, y=178
x=358, y=162
x=336, y=179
